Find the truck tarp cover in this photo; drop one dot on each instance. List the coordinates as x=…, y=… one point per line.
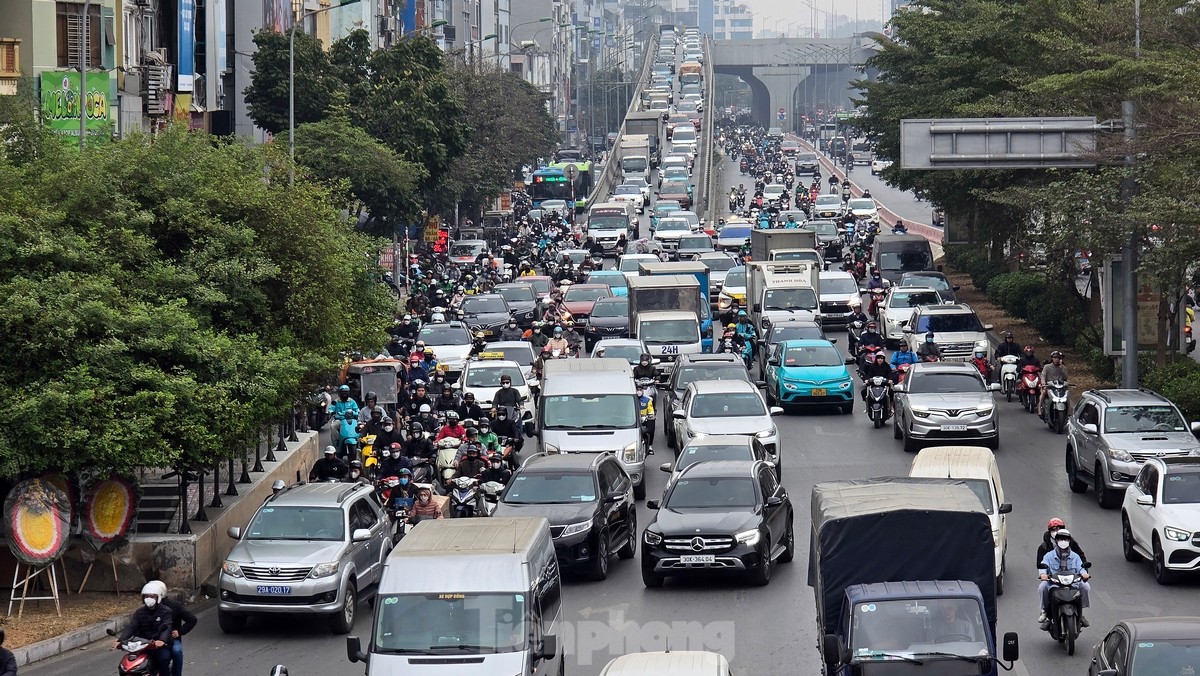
x=897, y=529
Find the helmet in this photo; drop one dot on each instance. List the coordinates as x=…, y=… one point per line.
x=371, y=396
x=1055, y=522
x=344, y=388
x=452, y=415
x=350, y=415
x=1057, y=354
x=1062, y=534
x=872, y=325
x=1028, y=350
x=879, y=356
x=742, y=313
x=731, y=325
x=416, y=428
x=472, y=449
x=425, y=409
x=416, y=359
x=558, y=330
x=151, y=589
x=472, y=431
x=330, y=450
x=855, y=303
x=356, y=464
x=429, y=352
x=929, y=337
x=1008, y=335
x=404, y=471
x=484, y=424
x=278, y=485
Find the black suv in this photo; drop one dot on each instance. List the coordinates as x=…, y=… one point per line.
x=588, y=500
x=726, y=516
x=691, y=368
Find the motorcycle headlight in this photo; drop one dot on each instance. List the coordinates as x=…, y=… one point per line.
x=232, y=569
x=652, y=538
x=748, y=537
x=324, y=570
x=1119, y=455
x=1176, y=534
x=576, y=528
x=550, y=449
x=629, y=453
x=984, y=409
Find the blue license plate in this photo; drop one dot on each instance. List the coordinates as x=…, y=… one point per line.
x=273, y=589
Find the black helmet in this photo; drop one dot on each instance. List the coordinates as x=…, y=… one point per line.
x=356, y=464
x=371, y=396
x=472, y=431
x=1008, y=335
x=416, y=428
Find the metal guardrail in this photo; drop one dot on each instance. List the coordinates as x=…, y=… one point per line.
x=612, y=167
x=703, y=203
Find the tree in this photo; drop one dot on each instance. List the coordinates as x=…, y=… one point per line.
x=318, y=89
x=164, y=298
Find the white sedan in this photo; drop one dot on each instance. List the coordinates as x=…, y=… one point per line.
x=630, y=192
x=482, y=378
x=863, y=207
x=898, y=307
x=1161, y=515
x=878, y=165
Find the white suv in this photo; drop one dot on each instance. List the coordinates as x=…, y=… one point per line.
x=1160, y=519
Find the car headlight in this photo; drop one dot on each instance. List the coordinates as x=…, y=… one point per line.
x=1176, y=534
x=696, y=435
x=984, y=409
x=765, y=434
x=789, y=386
x=1119, y=455
x=232, y=569
x=652, y=538
x=629, y=454
x=845, y=385
x=550, y=449
x=576, y=528
x=920, y=411
x=982, y=344
x=324, y=569
x=748, y=537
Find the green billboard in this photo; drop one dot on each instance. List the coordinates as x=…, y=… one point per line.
x=60, y=101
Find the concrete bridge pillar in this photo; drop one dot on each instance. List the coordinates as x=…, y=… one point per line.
x=781, y=83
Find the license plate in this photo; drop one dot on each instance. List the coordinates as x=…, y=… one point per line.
x=273, y=589
x=820, y=392
x=697, y=558
x=487, y=333
x=954, y=428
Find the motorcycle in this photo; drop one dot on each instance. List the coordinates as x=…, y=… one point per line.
x=1029, y=387
x=901, y=372
x=423, y=472
x=1066, y=607
x=866, y=356
x=136, y=659
x=876, y=302
x=877, y=400
x=447, y=453
x=464, y=497
x=1008, y=375
x=1056, y=405
x=491, y=497
x=743, y=167
x=370, y=459
x=854, y=330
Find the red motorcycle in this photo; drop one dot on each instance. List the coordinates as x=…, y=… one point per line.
x=1029, y=386
x=876, y=302
x=136, y=660
x=867, y=356
x=901, y=371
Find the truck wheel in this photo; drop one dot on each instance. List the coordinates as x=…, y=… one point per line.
x=230, y=623
x=342, y=621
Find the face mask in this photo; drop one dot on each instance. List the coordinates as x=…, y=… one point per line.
x=424, y=498
x=645, y=363
x=403, y=482
x=506, y=385
x=1063, y=544
x=495, y=465
x=150, y=601
x=343, y=396
x=388, y=428
x=354, y=474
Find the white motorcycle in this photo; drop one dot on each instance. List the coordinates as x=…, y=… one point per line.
x=447, y=453
x=1008, y=375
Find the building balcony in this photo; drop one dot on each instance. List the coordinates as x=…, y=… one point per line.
x=10, y=65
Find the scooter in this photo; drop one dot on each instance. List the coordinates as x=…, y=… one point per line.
x=464, y=497
x=136, y=659
x=491, y=497
x=1008, y=375
x=447, y=453
x=1029, y=387
x=1056, y=405
x=1066, y=607
x=877, y=398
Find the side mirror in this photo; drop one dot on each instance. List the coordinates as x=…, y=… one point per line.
x=456, y=386
x=279, y=670
x=1091, y=428
x=774, y=501
x=830, y=651
x=678, y=414
x=665, y=467
x=772, y=362
x=615, y=496
x=1145, y=500
x=993, y=387
x=760, y=384
x=360, y=535
x=652, y=504
x=900, y=387
x=235, y=532
x=851, y=360
x=354, y=651
x=655, y=362
x=776, y=410
x=549, y=646
x=954, y=288
x=758, y=307
x=832, y=340
x=1012, y=649
x=1195, y=427
x=987, y=327
x=1006, y=508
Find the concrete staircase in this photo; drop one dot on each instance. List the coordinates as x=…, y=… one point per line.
x=158, y=507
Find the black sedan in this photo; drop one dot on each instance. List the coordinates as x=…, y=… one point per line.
x=1149, y=646
x=609, y=319
x=522, y=299
x=721, y=517
x=487, y=312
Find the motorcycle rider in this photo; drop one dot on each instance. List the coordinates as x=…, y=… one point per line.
x=355, y=475
x=487, y=439
x=1054, y=525
x=495, y=471
x=558, y=342
x=337, y=411
x=428, y=420
x=448, y=401
x=903, y=355
x=182, y=622
x=417, y=446
x=329, y=467
x=154, y=622
x=573, y=337
x=453, y=428
x=419, y=399
x=929, y=350
x=791, y=223
x=744, y=329
x=878, y=367
x=1028, y=358
x=425, y=507
x=371, y=405
x=512, y=331
x=388, y=435
x=1062, y=560
x=375, y=424
x=870, y=337
x=981, y=362
x=468, y=409
x=856, y=315
x=876, y=282
x=472, y=465
x=1007, y=347
x=506, y=396
x=646, y=412
x=392, y=460
x=644, y=368
x=1054, y=371
x=537, y=337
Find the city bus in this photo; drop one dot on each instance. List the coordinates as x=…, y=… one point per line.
x=550, y=183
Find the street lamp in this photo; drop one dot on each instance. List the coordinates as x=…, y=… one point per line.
x=292, y=83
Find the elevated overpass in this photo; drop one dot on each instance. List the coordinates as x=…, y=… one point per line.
x=795, y=74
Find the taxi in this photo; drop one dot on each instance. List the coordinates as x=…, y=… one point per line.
x=481, y=377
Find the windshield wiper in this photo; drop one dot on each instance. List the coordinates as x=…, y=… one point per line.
x=965, y=658
x=401, y=651
x=905, y=658
x=465, y=647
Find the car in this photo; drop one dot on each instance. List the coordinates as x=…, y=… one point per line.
x=955, y=328
x=673, y=173
x=692, y=217
x=579, y=298
x=932, y=279
x=718, y=265
x=674, y=161
x=727, y=516
x=789, y=148
x=878, y=165
x=796, y=329
x=614, y=279
x=839, y=290
x=630, y=263
x=554, y=207
x=1161, y=515
x=733, y=292
x=807, y=163
x=662, y=209
x=486, y=313
x=466, y=251
x=691, y=246
x=719, y=447
x=691, y=368
x=724, y=407
x=863, y=207
x=829, y=237
x=1112, y=433
x=679, y=190
x=588, y=500
x=670, y=230
x=809, y=372
x=522, y=299
x=734, y=236
x=481, y=377
x=629, y=349
x=631, y=192
x=643, y=186
x=450, y=342
x=609, y=319
x=311, y=549
x=897, y=309
x=945, y=401
x=577, y=256
x=773, y=192
x=775, y=133
x=519, y=351
x=828, y=206
x=1148, y=646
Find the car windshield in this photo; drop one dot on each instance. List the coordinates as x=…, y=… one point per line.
x=582, y=293
x=905, y=260
x=789, y=299
x=906, y=629
x=1166, y=657
x=1120, y=419
x=861, y=204
x=627, y=189
x=727, y=405
x=630, y=353
x=674, y=185
x=449, y=623
x=669, y=331
x=982, y=490
x=735, y=232
x=673, y=225
x=702, y=242
x=539, y=285
x=806, y=157
x=938, y=283
x=465, y=249
x=822, y=228
x=829, y=201
x=633, y=263
x=690, y=374
x=720, y=492
x=950, y=323
x=517, y=294
x=522, y=355
x=608, y=277
x=774, y=189
x=1181, y=488
x=736, y=277
x=782, y=332
x=633, y=164
x=605, y=308
x=911, y=299
x=839, y=286
x=661, y=210
x=796, y=256
x=608, y=223
x=694, y=453
x=582, y=412
x=297, y=523
x=675, y=173
x=489, y=376
x=551, y=488
x=577, y=256
x=944, y=383
x=813, y=355
x=445, y=335
x=719, y=263
x=473, y=305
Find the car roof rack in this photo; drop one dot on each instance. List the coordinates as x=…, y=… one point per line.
x=344, y=495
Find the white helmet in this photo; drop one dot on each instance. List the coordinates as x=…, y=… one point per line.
x=157, y=584
x=151, y=589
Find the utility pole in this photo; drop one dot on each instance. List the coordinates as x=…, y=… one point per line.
x=1129, y=256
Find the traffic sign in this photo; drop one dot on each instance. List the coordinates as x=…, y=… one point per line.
x=572, y=172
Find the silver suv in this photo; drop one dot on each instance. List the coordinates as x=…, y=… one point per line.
x=942, y=401
x=1113, y=432
x=315, y=548
x=956, y=330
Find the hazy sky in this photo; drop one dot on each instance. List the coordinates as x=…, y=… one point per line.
x=795, y=17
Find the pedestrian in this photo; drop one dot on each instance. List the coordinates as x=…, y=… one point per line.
x=183, y=621
x=8, y=661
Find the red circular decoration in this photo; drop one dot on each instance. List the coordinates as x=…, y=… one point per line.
x=109, y=510
x=39, y=521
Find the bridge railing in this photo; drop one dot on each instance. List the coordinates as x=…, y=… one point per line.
x=706, y=172
x=610, y=177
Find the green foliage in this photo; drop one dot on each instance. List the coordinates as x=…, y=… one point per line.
x=1013, y=290
x=1048, y=311
x=317, y=89
x=975, y=262
x=163, y=298
x=1178, y=381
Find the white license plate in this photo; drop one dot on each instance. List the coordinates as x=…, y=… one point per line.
x=697, y=558
x=954, y=428
x=273, y=589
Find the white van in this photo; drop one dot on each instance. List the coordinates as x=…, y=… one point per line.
x=468, y=596
x=976, y=466
x=681, y=663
